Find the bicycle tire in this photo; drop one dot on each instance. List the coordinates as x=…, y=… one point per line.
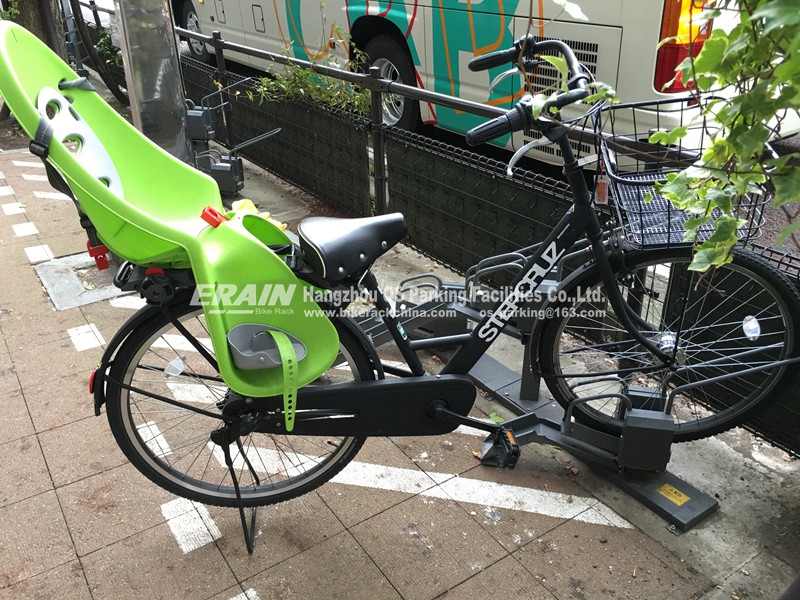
x=171, y=445
x=705, y=313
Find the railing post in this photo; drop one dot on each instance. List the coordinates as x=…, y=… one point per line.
x=223, y=80
x=378, y=146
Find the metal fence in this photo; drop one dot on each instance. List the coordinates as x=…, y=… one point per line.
x=462, y=207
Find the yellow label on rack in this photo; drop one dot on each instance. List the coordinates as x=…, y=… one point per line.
x=673, y=494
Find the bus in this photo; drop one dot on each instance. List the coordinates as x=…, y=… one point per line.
x=428, y=43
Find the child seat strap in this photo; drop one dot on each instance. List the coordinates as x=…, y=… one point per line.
x=290, y=369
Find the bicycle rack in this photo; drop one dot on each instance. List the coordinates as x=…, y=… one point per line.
x=636, y=461
x=227, y=171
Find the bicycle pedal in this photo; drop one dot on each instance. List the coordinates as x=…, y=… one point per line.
x=506, y=448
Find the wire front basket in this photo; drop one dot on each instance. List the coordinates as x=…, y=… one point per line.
x=632, y=165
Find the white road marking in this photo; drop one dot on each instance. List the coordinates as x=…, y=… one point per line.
x=29, y=177
x=196, y=392
x=5, y=190
x=151, y=436
x=190, y=523
x=37, y=254
x=51, y=195
x=13, y=208
x=249, y=594
x=131, y=302
x=180, y=343
x=23, y=229
x=85, y=337
x=28, y=163
x=438, y=485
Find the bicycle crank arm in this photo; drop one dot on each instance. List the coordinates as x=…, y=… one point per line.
x=377, y=408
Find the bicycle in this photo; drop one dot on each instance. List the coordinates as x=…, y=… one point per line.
x=706, y=350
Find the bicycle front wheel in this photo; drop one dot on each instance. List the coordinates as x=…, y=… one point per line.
x=171, y=445
x=725, y=328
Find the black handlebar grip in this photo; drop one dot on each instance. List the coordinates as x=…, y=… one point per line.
x=518, y=118
x=493, y=59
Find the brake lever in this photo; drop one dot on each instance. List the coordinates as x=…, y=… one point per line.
x=502, y=76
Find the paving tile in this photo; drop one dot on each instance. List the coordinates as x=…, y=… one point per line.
x=336, y=569
x=32, y=324
x=505, y=579
x=450, y=453
x=105, y=508
x=66, y=243
x=80, y=449
x=352, y=503
x=551, y=492
x=151, y=565
x=9, y=382
x=282, y=530
x=65, y=582
x=24, y=473
x=52, y=217
x=594, y=561
x=106, y=317
x=427, y=546
x=33, y=539
x=50, y=361
x=16, y=421
x=20, y=283
x=59, y=401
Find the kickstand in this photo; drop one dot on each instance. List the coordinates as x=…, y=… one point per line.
x=249, y=535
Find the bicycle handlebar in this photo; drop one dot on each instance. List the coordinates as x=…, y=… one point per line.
x=521, y=116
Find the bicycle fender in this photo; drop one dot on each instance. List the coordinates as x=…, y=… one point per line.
x=141, y=316
x=365, y=341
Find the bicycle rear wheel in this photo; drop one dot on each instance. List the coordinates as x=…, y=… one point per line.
x=171, y=444
x=724, y=322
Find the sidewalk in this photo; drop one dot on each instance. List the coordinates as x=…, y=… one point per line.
x=413, y=518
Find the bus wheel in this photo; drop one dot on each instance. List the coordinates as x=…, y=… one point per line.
x=394, y=62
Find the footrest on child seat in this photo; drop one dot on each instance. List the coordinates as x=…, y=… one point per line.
x=255, y=346
x=506, y=449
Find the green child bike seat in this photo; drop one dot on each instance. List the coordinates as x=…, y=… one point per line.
x=146, y=206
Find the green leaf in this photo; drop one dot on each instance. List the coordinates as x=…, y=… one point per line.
x=726, y=230
x=787, y=230
x=496, y=418
x=676, y=134
x=695, y=222
x=722, y=199
x=537, y=104
x=711, y=54
x=659, y=137
x=572, y=9
x=559, y=63
x=707, y=258
x=678, y=186
x=787, y=186
x=778, y=13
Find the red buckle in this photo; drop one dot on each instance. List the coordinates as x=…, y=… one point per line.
x=154, y=271
x=91, y=381
x=98, y=253
x=212, y=216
